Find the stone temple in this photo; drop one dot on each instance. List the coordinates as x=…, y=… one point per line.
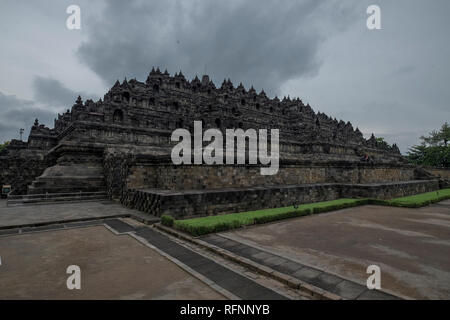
x=121, y=145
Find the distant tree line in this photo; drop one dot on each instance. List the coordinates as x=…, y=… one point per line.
x=434, y=149
x=3, y=145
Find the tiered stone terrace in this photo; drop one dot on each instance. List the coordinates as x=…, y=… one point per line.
x=121, y=144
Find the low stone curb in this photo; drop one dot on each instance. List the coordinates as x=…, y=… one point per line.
x=292, y=282
x=47, y=223
x=183, y=266
x=143, y=219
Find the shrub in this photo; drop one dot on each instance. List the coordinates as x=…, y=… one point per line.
x=281, y=216
x=420, y=200
x=219, y=223
x=199, y=230
x=167, y=220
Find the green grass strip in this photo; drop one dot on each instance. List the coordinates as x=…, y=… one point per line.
x=224, y=222
x=204, y=225
x=420, y=200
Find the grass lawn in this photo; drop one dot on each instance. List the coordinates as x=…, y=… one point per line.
x=204, y=225
x=420, y=200
x=210, y=224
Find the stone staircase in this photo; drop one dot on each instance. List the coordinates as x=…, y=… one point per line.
x=66, y=179
x=77, y=168
x=423, y=174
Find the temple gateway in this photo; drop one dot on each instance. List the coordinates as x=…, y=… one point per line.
x=121, y=145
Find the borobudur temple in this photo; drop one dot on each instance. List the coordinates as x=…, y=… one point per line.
x=121, y=144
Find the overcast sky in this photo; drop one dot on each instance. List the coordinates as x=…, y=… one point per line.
x=393, y=82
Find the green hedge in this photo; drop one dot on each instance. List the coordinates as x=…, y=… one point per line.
x=198, y=230
x=167, y=220
x=281, y=216
x=219, y=223
x=416, y=201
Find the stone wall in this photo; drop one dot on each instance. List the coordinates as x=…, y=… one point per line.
x=145, y=179
x=154, y=185
x=150, y=183
x=117, y=164
x=20, y=168
x=111, y=134
x=389, y=190
x=211, y=202
x=171, y=177
x=443, y=173
x=116, y=170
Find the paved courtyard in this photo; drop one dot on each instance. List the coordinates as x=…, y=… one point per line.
x=120, y=258
x=45, y=213
x=330, y=251
x=411, y=246
x=33, y=266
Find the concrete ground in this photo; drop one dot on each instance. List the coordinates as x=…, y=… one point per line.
x=33, y=266
x=411, y=246
x=32, y=214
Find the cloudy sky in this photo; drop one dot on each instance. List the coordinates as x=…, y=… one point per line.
x=393, y=82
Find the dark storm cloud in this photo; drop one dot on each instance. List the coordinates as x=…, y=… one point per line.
x=18, y=113
x=53, y=93
x=257, y=42
x=50, y=97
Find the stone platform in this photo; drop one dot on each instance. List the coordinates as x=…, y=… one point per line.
x=410, y=245
x=60, y=213
x=189, y=203
x=77, y=168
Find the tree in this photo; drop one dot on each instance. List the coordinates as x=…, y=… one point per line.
x=438, y=138
x=434, y=149
x=416, y=154
x=4, y=145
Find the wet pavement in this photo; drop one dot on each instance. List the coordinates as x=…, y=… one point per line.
x=411, y=246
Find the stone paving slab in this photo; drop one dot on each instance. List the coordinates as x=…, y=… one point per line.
x=195, y=261
x=326, y=281
x=318, y=278
x=307, y=274
x=349, y=290
x=11, y=217
x=225, y=278
x=84, y=223
x=410, y=245
x=207, y=268
x=119, y=226
x=260, y=256
x=374, y=295
x=289, y=267
x=112, y=267
x=235, y=283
